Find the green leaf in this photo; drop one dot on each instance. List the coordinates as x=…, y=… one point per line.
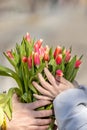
x=70, y=68
x=40, y=68
x=6, y=102
x=9, y=59
x=51, y=53
x=48, y=107
x=32, y=88
x=1, y=116
x=52, y=62
x=4, y=71
x=25, y=75
x=22, y=49
x=8, y=110
x=28, y=47
x=73, y=75
x=18, y=92
x=27, y=97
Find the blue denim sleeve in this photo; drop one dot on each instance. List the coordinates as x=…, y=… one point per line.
x=70, y=109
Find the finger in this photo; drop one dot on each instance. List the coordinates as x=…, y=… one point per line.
x=43, y=113
x=41, y=122
x=42, y=90
x=45, y=84
x=61, y=79
x=52, y=80
x=40, y=97
x=15, y=102
x=38, y=127
x=37, y=104
x=15, y=98
x=50, y=77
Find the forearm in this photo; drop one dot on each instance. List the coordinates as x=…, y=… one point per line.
x=70, y=109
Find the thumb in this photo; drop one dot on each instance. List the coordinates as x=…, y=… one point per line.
x=15, y=99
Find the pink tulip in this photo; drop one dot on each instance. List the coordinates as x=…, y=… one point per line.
x=37, y=45
x=9, y=54
x=27, y=37
x=59, y=73
x=59, y=59
x=41, y=52
x=39, y=42
x=30, y=62
x=67, y=55
x=77, y=64
x=36, y=48
x=36, y=59
x=57, y=51
x=24, y=59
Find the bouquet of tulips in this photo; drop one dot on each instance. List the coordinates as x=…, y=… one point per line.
x=28, y=59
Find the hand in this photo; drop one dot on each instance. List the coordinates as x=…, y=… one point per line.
x=25, y=116
x=52, y=88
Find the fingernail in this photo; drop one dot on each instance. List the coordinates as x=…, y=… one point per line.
x=45, y=69
x=33, y=82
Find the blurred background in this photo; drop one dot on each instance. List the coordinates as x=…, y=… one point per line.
x=57, y=22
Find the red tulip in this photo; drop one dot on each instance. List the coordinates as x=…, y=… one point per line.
x=67, y=55
x=77, y=64
x=24, y=59
x=30, y=62
x=9, y=54
x=59, y=73
x=36, y=59
x=57, y=51
x=59, y=59
x=27, y=37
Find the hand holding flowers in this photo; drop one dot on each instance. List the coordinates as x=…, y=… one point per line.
x=52, y=88
x=30, y=58
x=24, y=116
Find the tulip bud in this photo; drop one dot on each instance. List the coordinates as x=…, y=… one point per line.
x=27, y=37
x=59, y=73
x=57, y=51
x=36, y=48
x=67, y=56
x=59, y=59
x=77, y=64
x=41, y=52
x=37, y=45
x=24, y=59
x=46, y=48
x=9, y=54
x=36, y=59
x=39, y=42
x=46, y=56
x=30, y=62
